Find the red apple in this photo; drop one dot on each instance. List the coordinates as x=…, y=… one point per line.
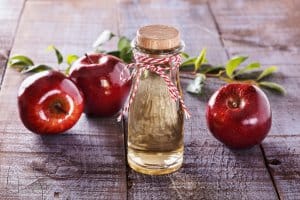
x=98, y=77
x=49, y=103
x=239, y=115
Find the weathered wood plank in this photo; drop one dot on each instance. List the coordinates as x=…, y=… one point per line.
x=197, y=34
x=271, y=36
x=67, y=166
x=210, y=170
x=10, y=12
x=283, y=154
x=88, y=161
x=265, y=30
x=285, y=109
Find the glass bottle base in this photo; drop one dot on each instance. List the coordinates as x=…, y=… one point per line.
x=153, y=163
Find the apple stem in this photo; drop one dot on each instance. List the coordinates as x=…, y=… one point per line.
x=233, y=103
x=89, y=59
x=59, y=108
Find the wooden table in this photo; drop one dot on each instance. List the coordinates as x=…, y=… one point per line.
x=89, y=162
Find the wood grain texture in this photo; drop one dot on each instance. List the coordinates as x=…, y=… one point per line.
x=270, y=32
x=88, y=161
x=265, y=30
x=190, y=17
x=210, y=170
x=10, y=12
x=283, y=155
x=286, y=107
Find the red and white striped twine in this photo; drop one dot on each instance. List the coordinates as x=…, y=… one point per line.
x=153, y=64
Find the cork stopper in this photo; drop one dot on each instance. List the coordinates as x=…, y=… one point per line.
x=158, y=37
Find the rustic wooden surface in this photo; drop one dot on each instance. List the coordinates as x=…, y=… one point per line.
x=89, y=161
x=10, y=12
x=210, y=171
x=270, y=32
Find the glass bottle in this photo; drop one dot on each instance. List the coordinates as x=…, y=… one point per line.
x=155, y=120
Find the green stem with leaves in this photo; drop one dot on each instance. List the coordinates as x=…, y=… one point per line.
x=196, y=67
x=228, y=73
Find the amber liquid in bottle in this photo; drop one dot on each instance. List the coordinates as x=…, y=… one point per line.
x=155, y=127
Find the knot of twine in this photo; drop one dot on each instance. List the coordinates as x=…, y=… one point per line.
x=154, y=65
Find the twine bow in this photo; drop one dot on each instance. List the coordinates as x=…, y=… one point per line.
x=154, y=65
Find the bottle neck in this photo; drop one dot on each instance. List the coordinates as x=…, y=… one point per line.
x=157, y=53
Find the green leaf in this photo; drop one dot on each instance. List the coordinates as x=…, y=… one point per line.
x=35, y=68
x=272, y=86
x=189, y=61
x=104, y=37
x=249, y=67
x=17, y=59
x=184, y=55
x=126, y=54
x=268, y=71
x=196, y=86
x=124, y=43
x=187, y=68
x=57, y=53
x=125, y=49
x=233, y=63
x=98, y=50
x=206, y=68
x=71, y=58
x=200, y=59
x=114, y=53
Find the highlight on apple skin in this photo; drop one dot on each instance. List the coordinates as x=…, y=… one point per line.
x=49, y=103
x=239, y=115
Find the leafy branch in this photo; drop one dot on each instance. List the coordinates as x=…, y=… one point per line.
x=231, y=72
x=24, y=64
x=198, y=67
x=124, y=50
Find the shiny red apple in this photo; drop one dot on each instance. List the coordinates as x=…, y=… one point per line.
x=49, y=103
x=239, y=115
x=99, y=78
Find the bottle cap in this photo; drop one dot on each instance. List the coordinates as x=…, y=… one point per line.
x=158, y=37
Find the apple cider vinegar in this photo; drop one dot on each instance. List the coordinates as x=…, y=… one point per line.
x=156, y=117
x=155, y=128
